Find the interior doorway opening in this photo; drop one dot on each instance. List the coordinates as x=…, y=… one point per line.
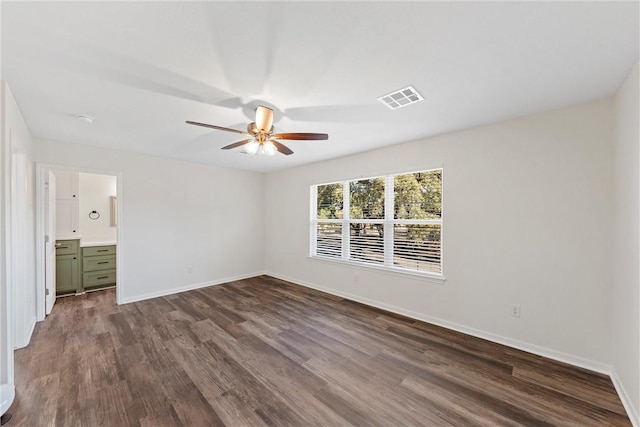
x=78, y=219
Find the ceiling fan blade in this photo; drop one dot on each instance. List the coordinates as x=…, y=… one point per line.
x=301, y=136
x=217, y=127
x=264, y=118
x=237, y=144
x=282, y=148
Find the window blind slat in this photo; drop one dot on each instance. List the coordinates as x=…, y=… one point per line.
x=366, y=242
x=329, y=240
x=417, y=247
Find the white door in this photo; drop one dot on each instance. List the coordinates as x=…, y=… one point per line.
x=50, y=243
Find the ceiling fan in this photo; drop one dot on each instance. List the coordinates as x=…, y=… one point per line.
x=263, y=139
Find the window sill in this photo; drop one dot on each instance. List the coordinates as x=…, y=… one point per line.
x=409, y=274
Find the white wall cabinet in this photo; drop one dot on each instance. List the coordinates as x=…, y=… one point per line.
x=67, y=205
x=67, y=185
x=67, y=219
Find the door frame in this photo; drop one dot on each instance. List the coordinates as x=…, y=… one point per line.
x=18, y=240
x=42, y=170
x=49, y=246
x=7, y=388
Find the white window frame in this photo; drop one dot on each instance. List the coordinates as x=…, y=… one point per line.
x=388, y=223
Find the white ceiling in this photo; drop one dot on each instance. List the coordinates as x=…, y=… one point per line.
x=144, y=68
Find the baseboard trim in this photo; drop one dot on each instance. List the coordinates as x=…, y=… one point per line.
x=520, y=345
x=32, y=326
x=632, y=412
x=190, y=287
x=31, y=329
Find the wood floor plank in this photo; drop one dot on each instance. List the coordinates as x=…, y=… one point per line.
x=279, y=414
x=468, y=409
x=234, y=412
x=45, y=404
x=112, y=406
x=265, y=352
x=161, y=418
x=196, y=363
x=121, y=329
x=271, y=339
x=481, y=386
x=571, y=387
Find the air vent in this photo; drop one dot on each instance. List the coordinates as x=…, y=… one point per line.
x=401, y=98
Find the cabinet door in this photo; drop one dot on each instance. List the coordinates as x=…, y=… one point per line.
x=67, y=185
x=67, y=218
x=67, y=274
x=67, y=247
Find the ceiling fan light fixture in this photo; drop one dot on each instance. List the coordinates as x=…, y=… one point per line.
x=401, y=98
x=252, y=147
x=267, y=148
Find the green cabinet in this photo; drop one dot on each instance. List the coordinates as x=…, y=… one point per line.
x=84, y=269
x=67, y=267
x=98, y=267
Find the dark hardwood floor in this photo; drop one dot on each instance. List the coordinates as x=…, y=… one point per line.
x=265, y=352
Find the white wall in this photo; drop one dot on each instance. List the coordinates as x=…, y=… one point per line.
x=17, y=295
x=626, y=267
x=527, y=220
x=176, y=215
x=95, y=194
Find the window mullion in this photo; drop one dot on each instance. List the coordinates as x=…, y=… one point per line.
x=346, y=215
x=388, y=221
x=313, y=238
x=313, y=234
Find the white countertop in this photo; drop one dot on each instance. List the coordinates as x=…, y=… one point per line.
x=89, y=243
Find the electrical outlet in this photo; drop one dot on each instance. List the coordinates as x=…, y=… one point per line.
x=515, y=310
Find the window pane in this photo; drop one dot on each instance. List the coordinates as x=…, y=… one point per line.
x=330, y=201
x=418, y=195
x=367, y=242
x=367, y=198
x=329, y=240
x=417, y=247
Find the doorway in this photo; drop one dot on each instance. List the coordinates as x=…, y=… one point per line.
x=86, y=233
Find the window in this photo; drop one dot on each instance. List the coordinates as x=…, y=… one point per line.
x=392, y=222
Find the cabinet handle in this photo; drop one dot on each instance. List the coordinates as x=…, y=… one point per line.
x=102, y=277
x=102, y=250
x=104, y=262
x=58, y=245
x=74, y=258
